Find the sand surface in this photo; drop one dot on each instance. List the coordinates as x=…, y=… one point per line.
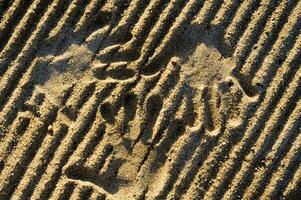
x=150, y=99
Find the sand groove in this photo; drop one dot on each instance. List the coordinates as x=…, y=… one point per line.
x=159, y=99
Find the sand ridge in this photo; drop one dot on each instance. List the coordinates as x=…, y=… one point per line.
x=159, y=99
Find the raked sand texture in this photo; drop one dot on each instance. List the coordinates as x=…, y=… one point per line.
x=150, y=99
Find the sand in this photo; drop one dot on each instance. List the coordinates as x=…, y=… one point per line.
x=150, y=99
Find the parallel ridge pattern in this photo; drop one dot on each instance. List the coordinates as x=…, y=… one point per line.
x=41, y=142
